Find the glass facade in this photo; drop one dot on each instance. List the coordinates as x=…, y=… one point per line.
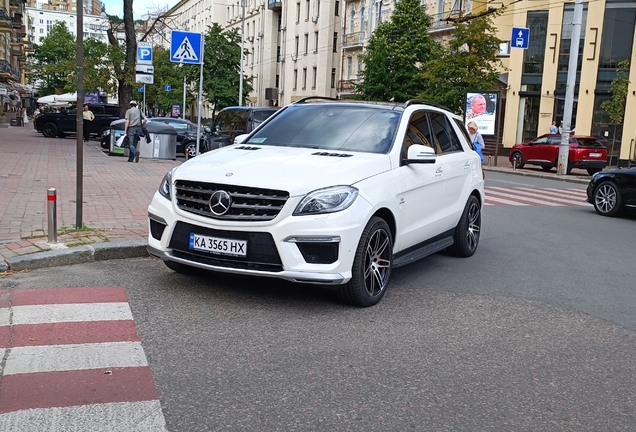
x=531, y=78
x=616, y=46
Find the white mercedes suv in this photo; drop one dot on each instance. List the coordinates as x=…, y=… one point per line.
x=325, y=191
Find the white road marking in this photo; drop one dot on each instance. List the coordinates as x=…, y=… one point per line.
x=39, y=314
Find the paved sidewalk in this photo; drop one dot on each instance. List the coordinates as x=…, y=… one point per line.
x=116, y=193
x=116, y=197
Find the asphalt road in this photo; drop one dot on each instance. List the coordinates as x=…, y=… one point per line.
x=535, y=332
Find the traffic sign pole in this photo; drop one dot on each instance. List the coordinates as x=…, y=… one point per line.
x=200, y=100
x=145, y=98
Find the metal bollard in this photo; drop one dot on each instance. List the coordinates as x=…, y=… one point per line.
x=51, y=198
x=489, y=160
x=187, y=154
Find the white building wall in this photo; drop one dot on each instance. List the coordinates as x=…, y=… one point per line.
x=42, y=21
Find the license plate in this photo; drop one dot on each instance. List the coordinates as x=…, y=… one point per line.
x=595, y=154
x=219, y=246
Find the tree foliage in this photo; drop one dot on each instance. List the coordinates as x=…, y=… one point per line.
x=467, y=63
x=221, y=74
x=615, y=107
x=55, y=63
x=397, y=54
x=167, y=73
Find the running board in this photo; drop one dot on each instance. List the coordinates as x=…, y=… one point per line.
x=422, y=252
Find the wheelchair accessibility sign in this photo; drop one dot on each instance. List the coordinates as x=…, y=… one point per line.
x=520, y=37
x=186, y=47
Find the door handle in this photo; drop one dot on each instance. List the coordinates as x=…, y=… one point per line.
x=467, y=165
x=439, y=172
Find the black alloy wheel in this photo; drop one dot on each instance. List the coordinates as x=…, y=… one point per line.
x=49, y=130
x=468, y=230
x=607, y=199
x=371, y=266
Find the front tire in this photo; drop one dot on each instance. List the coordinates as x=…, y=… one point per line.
x=517, y=158
x=371, y=266
x=468, y=230
x=607, y=199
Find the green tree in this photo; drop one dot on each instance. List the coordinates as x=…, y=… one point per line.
x=615, y=106
x=124, y=58
x=467, y=63
x=221, y=74
x=396, y=55
x=53, y=59
x=167, y=73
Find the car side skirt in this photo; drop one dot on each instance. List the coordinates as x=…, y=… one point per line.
x=424, y=249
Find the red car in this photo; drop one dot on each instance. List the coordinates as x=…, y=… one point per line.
x=585, y=152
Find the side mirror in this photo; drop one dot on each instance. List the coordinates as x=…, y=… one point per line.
x=419, y=154
x=240, y=138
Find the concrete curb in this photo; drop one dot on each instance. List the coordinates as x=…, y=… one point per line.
x=77, y=255
x=569, y=178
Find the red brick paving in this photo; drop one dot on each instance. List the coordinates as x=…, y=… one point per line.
x=116, y=193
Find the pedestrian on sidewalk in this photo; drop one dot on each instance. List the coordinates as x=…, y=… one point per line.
x=476, y=139
x=554, y=129
x=88, y=117
x=134, y=120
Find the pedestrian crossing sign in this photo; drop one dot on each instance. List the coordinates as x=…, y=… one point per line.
x=186, y=47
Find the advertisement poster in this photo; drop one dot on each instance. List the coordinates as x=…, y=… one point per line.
x=481, y=107
x=176, y=111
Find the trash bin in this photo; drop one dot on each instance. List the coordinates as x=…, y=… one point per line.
x=163, y=142
x=117, y=130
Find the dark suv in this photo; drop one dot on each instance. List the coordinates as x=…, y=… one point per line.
x=234, y=121
x=53, y=124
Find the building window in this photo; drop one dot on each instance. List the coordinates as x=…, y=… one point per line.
x=349, y=62
x=308, y=8
x=335, y=41
x=359, y=71
x=277, y=80
x=306, y=43
x=333, y=78
x=352, y=19
x=316, y=41
x=304, y=78
x=504, y=49
x=318, y=8
x=278, y=53
x=314, y=77
x=296, y=51
x=337, y=10
x=297, y=12
x=295, y=79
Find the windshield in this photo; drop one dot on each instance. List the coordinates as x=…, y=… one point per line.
x=331, y=127
x=230, y=121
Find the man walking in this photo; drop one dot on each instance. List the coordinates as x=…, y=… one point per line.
x=134, y=120
x=88, y=117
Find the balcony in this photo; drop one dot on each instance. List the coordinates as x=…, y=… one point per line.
x=353, y=40
x=5, y=20
x=347, y=86
x=439, y=23
x=274, y=5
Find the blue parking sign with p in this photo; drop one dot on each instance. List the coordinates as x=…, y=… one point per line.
x=144, y=53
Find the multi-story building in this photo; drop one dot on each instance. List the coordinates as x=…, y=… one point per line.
x=91, y=7
x=538, y=75
x=13, y=46
x=42, y=20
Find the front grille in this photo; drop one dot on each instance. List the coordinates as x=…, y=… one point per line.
x=261, y=250
x=248, y=204
x=319, y=253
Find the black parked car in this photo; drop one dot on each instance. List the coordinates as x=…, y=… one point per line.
x=186, y=134
x=613, y=191
x=52, y=124
x=234, y=121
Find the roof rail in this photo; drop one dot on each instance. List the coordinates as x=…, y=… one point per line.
x=420, y=101
x=308, y=98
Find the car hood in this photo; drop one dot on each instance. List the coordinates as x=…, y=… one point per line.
x=296, y=170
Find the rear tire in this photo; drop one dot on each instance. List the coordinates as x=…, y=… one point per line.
x=468, y=230
x=371, y=266
x=181, y=268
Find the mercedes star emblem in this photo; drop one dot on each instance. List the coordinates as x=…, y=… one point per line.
x=220, y=202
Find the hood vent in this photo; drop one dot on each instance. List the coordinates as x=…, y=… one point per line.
x=247, y=148
x=331, y=154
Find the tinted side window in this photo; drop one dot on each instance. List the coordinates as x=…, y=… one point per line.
x=444, y=133
x=541, y=140
x=111, y=110
x=554, y=140
x=97, y=110
x=462, y=128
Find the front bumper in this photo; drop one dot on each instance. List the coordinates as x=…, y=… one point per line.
x=281, y=252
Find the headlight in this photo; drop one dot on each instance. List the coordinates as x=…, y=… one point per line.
x=166, y=185
x=329, y=200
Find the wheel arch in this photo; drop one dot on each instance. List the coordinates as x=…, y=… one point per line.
x=389, y=218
